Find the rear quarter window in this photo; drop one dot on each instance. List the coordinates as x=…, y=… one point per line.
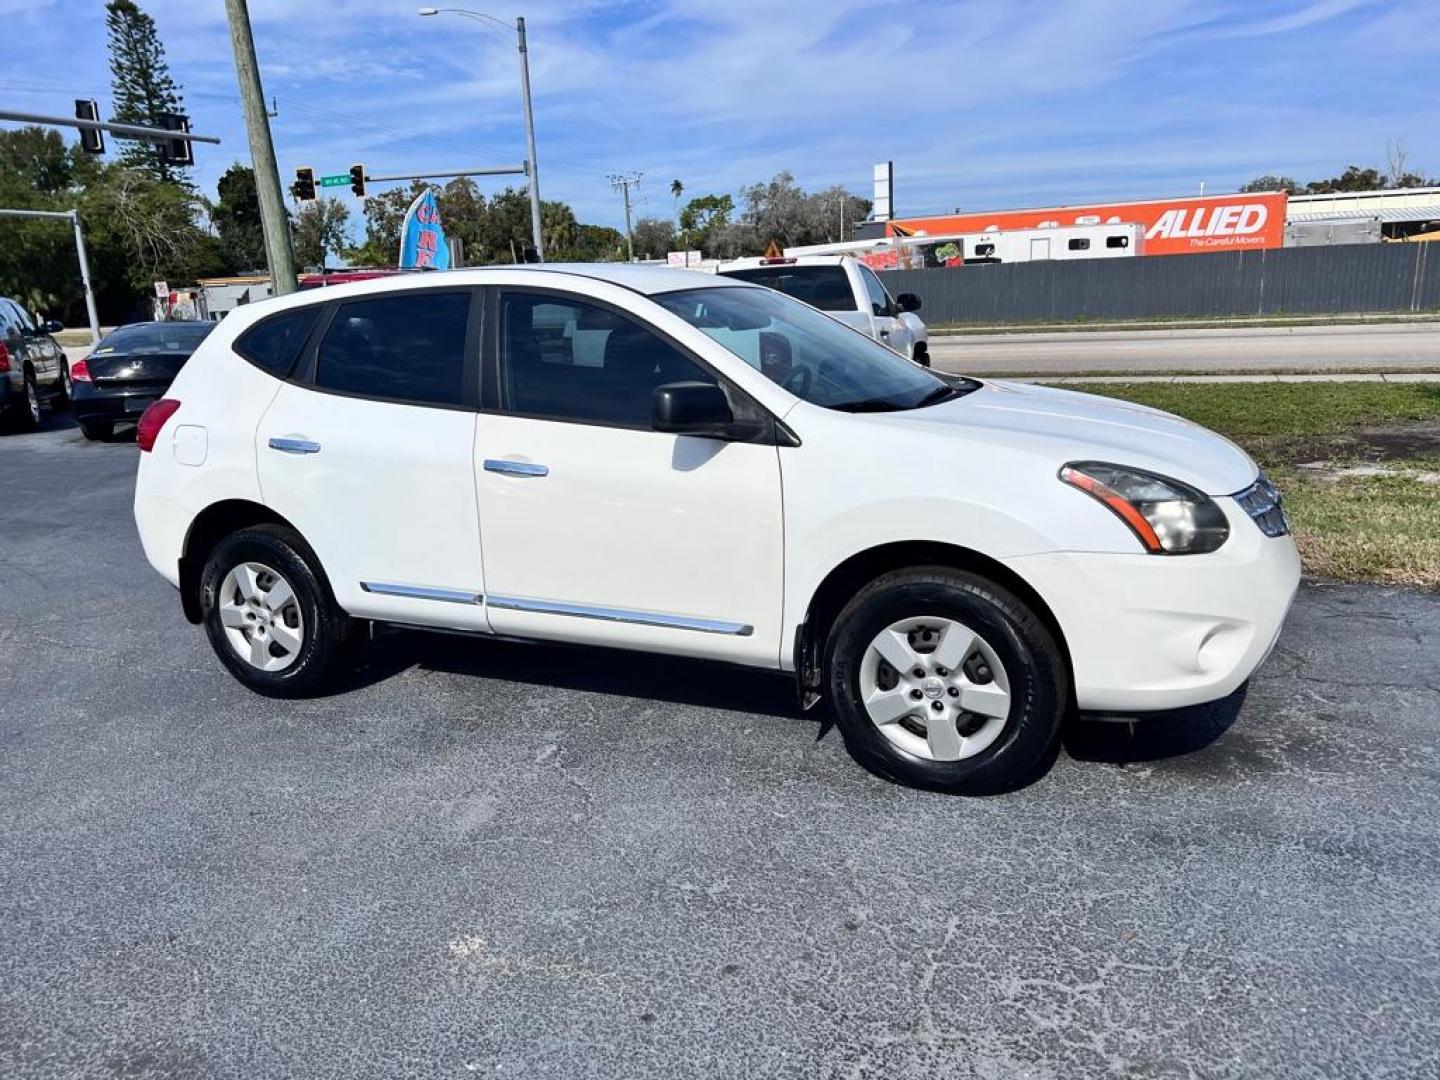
x=824, y=287
x=272, y=344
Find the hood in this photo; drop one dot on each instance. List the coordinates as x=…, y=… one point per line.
x=1085, y=427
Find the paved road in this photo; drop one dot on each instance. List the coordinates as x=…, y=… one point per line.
x=1384, y=347
x=488, y=859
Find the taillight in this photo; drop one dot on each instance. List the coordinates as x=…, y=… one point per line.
x=152, y=420
x=80, y=371
x=4, y=358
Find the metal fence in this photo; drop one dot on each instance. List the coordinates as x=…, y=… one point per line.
x=1311, y=280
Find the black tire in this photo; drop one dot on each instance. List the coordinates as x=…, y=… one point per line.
x=97, y=430
x=1026, y=745
x=61, y=401
x=921, y=354
x=328, y=630
x=28, y=411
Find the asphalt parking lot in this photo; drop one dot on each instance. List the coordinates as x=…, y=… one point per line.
x=494, y=859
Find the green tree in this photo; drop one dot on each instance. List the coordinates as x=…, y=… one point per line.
x=653, y=238
x=320, y=230
x=140, y=84
x=39, y=157
x=236, y=218
x=702, y=218
x=1353, y=178
x=1270, y=182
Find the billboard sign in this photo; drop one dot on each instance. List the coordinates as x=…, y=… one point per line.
x=422, y=237
x=1184, y=226
x=882, y=196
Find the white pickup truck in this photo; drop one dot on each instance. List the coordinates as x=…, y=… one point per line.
x=848, y=290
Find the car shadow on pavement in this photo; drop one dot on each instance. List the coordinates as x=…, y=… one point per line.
x=1157, y=736
x=677, y=680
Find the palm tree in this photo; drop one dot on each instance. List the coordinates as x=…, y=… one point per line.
x=676, y=190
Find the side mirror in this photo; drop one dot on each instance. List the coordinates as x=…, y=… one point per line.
x=50, y=326
x=907, y=301
x=691, y=408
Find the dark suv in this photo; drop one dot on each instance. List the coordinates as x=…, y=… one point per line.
x=32, y=368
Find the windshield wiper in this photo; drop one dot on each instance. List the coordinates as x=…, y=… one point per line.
x=939, y=394
x=868, y=405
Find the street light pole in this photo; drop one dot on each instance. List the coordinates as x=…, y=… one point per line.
x=532, y=167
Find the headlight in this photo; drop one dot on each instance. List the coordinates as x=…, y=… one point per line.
x=1168, y=517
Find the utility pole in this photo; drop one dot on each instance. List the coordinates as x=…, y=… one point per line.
x=530, y=166
x=262, y=152
x=623, y=184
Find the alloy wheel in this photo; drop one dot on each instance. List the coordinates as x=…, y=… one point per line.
x=32, y=401
x=935, y=688
x=261, y=616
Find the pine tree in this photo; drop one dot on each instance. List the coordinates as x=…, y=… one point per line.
x=140, y=85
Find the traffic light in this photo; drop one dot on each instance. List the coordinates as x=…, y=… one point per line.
x=92, y=140
x=357, y=180
x=304, y=189
x=176, y=151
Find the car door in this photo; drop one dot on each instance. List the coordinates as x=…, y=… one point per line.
x=597, y=528
x=890, y=329
x=28, y=347
x=368, y=448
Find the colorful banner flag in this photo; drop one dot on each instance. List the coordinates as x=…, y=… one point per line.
x=422, y=237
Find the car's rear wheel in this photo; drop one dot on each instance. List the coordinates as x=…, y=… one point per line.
x=97, y=430
x=942, y=679
x=921, y=354
x=269, y=614
x=61, y=402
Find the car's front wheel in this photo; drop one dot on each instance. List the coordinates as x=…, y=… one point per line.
x=943, y=680
x=269, y=614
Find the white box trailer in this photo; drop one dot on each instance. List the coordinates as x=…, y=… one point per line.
x=1099, y=240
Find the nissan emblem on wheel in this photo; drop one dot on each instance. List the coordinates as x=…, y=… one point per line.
x=650, y=459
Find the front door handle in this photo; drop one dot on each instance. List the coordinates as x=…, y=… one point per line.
x=515, y=468
x=290, y=445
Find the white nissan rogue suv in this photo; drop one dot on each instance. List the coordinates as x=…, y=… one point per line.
x=668, y=461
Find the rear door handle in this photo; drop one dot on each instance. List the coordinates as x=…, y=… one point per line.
x=515, y=468
x=287, y=445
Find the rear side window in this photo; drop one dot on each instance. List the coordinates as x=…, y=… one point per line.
x=398, y=348
x=272, y=344
x=1079, y=245
x=824, y=287
x=1117, y=241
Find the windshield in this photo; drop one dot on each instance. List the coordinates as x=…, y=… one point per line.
x=156, y=337
x=824, y=287
x=810, y=354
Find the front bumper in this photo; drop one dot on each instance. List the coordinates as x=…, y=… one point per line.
x=1152, y=632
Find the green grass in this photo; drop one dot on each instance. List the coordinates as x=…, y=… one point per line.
x=1383, y=528
x=1272, y=411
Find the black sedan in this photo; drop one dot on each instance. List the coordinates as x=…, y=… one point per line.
x=130, y=367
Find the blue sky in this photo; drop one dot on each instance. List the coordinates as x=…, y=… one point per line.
x=983, y=104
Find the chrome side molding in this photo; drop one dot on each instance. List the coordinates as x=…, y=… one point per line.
x=620, y=615
x=422, y=592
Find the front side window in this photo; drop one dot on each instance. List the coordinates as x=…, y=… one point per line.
x=880, y=303
x=1079, y=245
x=824, y=287
x=565, y=359
x=21, y=318
x=1117, y=241
x=272, y=344
x=409, y=347
x=810, y=354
